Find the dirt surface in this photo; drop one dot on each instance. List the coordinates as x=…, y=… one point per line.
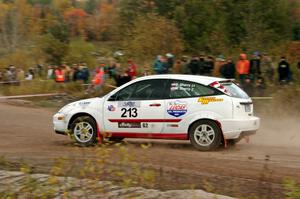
x=255, y=168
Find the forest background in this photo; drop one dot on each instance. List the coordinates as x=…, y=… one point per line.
x=55, y=31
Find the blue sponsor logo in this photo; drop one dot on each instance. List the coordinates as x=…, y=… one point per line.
x=177, y=108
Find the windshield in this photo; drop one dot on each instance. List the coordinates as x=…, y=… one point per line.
x=235, y=91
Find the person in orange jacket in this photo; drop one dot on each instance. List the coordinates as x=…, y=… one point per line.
x=59, y=75
x=243, y=67
x=97, y=81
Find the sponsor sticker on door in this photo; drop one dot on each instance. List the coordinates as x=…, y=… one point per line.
x=129, y=104
x=129, y=125
x=111, y=108
x=177, y=108
x=207, y=100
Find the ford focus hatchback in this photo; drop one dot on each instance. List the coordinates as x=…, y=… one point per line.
x=208, y=111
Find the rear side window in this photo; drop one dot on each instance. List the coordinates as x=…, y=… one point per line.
x=186, y=89
x=235, y=91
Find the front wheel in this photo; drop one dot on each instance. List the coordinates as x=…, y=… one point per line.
x=84, y=131
x=205, y=135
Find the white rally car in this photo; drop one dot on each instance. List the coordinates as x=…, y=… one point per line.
x=208, y=111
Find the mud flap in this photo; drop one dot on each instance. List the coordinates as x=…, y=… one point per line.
x=224, y=140
x=99, y=137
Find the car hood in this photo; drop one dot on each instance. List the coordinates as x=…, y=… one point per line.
x=82, y=104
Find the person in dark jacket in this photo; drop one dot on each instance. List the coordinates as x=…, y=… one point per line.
x=209, y=66
x=254, y=67
x=228, y=69
x=283, y=70
x=194, y=65
x=85, y=73
x=202, y=65
x=170, y=62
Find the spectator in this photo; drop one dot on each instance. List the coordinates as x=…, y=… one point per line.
x=20, y=74
x=123, y=78
x=8, y=75
x=77, y=72
x=243, y=67
x=254, y=70
x=50, y=72
x=228, y=69
x=184, y=65
x=86, y=73
x=209, y=66
x=112, y=70
x=30, y=74
x=220, y=61
x=283, y=70
x=164, y=62
x=267, y=68
x=158, y=65
x=202, y=65
x=13, y=71
x=59, y=75
x=178, y=68
x=194, y=65
x=68, y=73
x=132, y=68
x=97, y=81
x=170, y=62
x=40, y=69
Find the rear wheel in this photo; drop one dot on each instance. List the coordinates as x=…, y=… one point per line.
x=84, y=130
x=205, y=135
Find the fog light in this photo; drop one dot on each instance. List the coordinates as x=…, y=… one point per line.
x=60, y=117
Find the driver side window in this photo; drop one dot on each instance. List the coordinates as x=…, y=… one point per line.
x=143, y=90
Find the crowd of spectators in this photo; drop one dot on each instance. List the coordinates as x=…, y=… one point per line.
x=252, y=73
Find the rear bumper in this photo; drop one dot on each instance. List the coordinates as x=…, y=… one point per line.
x=238, y=128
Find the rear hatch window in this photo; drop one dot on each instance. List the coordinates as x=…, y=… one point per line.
x=230, y=88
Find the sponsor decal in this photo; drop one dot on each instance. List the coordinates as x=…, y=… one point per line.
x=111, y=108
x=207, y=100
x=129, y=104
x=173, y=125
x=177, y=108
x=182, y=86
x=145, y=125
x=84, y=104
x=129, y=125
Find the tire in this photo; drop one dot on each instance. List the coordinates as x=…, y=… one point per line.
x=205, y=135
x=84, y=131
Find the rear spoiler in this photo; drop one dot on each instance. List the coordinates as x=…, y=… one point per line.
x=218, y=85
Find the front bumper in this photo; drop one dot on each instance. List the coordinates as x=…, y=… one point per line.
x=238, y=128
x=60, y=123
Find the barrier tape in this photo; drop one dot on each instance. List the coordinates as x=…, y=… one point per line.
x=28, y=96
x=262, y=98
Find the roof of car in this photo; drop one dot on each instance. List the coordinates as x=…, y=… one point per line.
x=195, y=78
